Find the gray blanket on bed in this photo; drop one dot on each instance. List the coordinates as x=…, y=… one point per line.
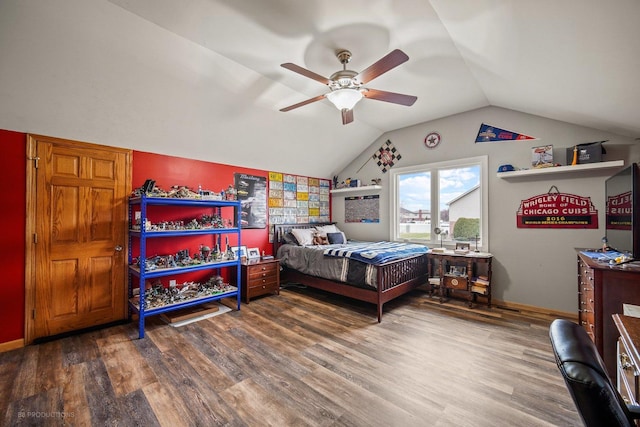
x=311, y=260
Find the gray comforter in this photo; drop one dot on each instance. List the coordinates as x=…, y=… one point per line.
x=311, y=260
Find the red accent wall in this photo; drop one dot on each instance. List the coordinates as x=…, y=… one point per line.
x=165, y=170
x=168, y=171
x=12, y=242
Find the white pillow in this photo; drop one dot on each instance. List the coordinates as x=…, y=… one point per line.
x=304, y=236
x=324, y=229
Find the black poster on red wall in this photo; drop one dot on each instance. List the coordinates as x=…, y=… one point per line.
x=252, y=194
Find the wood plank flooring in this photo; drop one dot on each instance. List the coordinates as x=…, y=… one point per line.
x=304, y=358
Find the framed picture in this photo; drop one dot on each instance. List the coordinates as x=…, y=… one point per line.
x=542, y=156
x=463, y=246
x=456, y=270
x=253, y=253
x=239, y=251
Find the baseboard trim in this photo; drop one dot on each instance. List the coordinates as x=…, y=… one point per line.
x=11, y=345
x=534, y=309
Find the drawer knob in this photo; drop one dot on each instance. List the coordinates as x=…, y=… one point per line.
x=625, y=361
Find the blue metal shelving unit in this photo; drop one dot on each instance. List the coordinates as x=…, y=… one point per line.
x=142, y=235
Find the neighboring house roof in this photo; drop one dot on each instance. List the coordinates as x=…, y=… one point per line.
x=463, y=195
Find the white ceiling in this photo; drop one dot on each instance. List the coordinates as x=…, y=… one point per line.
x=572, y=60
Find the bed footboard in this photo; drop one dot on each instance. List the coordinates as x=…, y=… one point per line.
x=403, y=271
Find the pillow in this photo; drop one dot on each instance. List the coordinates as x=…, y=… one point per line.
x=324, y=229
x=336, y=238
x=304, y=236
x=290, y=239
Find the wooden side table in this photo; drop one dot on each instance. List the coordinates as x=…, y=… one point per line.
x=466, y=274
x=260, y=277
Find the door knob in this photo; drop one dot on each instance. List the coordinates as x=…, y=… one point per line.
x=118, y=248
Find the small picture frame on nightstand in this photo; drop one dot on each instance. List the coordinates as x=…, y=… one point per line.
x=239, y=252
x=253, y=253
x=456, y=270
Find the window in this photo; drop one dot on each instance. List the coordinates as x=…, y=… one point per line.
x=441, y=203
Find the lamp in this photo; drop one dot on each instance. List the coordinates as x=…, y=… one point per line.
x=438, y=231
x=345, y=98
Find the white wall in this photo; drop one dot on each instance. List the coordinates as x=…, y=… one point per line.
x=531, y=266
x=89, y=70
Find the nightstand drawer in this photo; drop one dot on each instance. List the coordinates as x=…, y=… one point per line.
x=262, y=281
x=261, y=270
x=455, y=282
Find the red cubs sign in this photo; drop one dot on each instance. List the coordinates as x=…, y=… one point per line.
x=557, y=210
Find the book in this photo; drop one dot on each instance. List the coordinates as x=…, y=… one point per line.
x=481, y=281
x=480, y=289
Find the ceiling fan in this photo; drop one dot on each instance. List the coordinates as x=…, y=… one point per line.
x=347, y=86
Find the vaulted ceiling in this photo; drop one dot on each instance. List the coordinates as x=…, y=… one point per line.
x=572, y=60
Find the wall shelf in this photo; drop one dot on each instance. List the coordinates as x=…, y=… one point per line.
x=356, y=189
x=562, y=169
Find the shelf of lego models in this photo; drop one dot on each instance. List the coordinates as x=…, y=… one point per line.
x=159, y=272
x=134, y=302
x=562, y=169
x=182, y=232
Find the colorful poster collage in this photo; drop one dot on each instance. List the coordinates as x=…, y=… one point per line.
x=298, y=199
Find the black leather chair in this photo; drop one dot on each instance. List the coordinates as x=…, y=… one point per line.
x=596, y=398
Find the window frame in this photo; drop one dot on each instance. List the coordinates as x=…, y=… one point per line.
x=434, y=168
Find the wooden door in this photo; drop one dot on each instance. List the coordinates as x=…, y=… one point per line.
x=79, y=219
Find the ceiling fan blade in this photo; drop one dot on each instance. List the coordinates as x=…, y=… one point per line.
x=298, y=69
x=300, y=104
x=386, y=63
x=347, y=116
x=396, y=98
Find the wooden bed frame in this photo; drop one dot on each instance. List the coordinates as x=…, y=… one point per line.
x=394, y=278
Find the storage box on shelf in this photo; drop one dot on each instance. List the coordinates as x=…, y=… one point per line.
x=467, y=275
x=138, y=219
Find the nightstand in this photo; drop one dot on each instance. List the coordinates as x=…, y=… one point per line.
x=260, y=277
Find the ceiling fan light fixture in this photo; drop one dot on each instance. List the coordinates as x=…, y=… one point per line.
x=345, y=98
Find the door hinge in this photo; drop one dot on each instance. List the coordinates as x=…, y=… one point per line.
x=33, y=314
x=35, y=237
x=35, y=161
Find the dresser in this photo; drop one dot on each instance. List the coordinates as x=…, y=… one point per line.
x=628, y=359
x=602, y=292
x=260, y=277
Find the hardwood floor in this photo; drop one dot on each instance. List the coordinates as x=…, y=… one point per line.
x=304, y=358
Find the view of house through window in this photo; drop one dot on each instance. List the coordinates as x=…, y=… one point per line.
x=440, y=203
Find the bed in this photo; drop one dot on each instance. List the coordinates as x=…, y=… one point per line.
x=327, y=267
